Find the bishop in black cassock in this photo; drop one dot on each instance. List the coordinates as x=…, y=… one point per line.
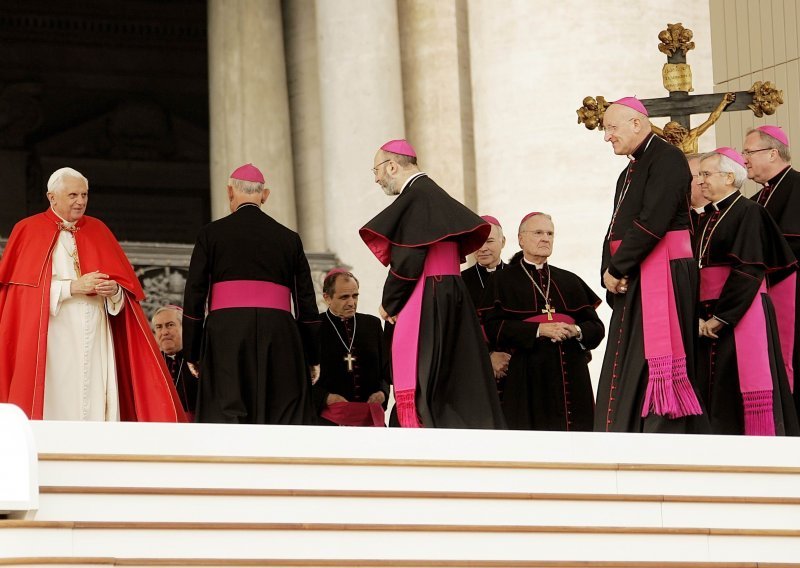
x=646, y=383
x=169, y=336
x=545, y=317
x=258, y=347
x=440, y=363
x=354, y=361
x=766, y=155
x=740, y=366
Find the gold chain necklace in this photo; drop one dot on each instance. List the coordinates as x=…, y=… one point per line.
x=704, y=248
x=545, y=293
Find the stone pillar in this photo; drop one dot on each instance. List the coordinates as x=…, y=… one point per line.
x=437, y=92
x=361, y=100
x=248, y=101
x=302, y=69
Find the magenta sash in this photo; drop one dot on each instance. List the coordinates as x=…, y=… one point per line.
x=752, y=354
x=250, y=294
x=669, y=392
x=355, y=414
x=557, y=318
x=441, y=260
x=784, y=296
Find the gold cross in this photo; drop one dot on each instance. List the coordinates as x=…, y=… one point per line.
x=549, y=311
x=349, y=359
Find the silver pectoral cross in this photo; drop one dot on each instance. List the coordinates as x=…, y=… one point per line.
x=349, y=359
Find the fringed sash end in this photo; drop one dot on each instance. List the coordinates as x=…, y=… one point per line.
x=758, y=416
x=406, y=408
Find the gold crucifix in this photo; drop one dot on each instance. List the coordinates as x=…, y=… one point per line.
x=549, y=311
x=349, y=359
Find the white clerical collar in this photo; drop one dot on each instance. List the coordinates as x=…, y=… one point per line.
x=699, y=210
x=341, y=318
x=491, y=269
x=718, y=201
x=529, y=263
x=410, y=180
x=66, y=223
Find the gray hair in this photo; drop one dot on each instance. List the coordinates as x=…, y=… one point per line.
x=170, y=308
x=56, y=180
x=728, y=166
x=522, y=224
x=771, y=142
x=248, y=187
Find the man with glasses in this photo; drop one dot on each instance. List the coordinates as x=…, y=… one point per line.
x=441, y=371
x=767, y=158
x=646, y=384
x=739, y=249
x=545, y=316
x=698, y=202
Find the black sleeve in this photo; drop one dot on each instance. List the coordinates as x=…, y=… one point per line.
x=504, y=334
x=195, y=295
x=592, y=328
x=738, y=293
x=666, y=192
x=405, y=269
x=305, y=306
x=319, y=396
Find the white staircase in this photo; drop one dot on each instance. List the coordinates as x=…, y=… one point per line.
x=214, y=495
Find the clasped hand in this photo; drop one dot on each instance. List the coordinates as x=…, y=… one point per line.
x=557, y=331
x=94, y=283
x=615, y=285
x=710, y=328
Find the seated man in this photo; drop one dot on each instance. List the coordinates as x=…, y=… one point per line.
x=168, y=331
x=546, y=318
x=739, y=247
x=353, y=385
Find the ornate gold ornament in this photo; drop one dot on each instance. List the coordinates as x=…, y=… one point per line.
x=766, y=98
x=675, y=38
x=592, y=111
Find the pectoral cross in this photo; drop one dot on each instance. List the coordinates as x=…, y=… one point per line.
x=549, y=311
x=349, y=359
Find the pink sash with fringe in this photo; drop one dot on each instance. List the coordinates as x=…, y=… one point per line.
x=669, y=392
x=784, y=296
x=441, y=260
x=752, y=354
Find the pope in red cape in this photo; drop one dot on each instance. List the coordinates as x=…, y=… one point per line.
x=144, y=389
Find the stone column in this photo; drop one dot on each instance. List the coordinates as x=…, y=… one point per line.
x=248, y=101
x=302, y=69
x=434, y=41
x=361, y=100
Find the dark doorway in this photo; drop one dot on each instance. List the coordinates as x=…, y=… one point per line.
x=117, y=89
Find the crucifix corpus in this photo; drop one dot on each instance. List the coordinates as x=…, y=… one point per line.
x=762, y=98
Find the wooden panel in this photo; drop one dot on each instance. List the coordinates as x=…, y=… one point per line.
x=790, y=28
x=743, y=37
x=731, y=44
x=792, y=96
x=767, y=44
x=719, y=55
x=754, y=30
x=781, y=117
x=778, y=31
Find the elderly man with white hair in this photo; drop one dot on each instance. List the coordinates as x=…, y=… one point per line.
x=74, y=339
x=740, y=250
x=258, y=345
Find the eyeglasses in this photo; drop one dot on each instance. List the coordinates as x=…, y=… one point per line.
x=375, y=169
x=613, y=128
x=709, y=174
x=748, y=153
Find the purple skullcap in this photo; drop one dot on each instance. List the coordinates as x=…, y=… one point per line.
x=401, y=147
x=732, y=154
x=776, y=132
x=491, y=220
x=337, y=270
x=528, y=216
x=632, y=102
x=248, y=172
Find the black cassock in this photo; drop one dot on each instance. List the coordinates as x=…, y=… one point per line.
x=739, y=234
x=370, y=367
x=656, y=201
x=253, y=360
x=185, y=381
x=455, y=383
x=781, y=198
x=477, y=279
x=547, y=386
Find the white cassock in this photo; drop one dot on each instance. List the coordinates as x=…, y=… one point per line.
x=80, y=378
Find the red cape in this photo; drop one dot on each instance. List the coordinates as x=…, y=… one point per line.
x=146, y=390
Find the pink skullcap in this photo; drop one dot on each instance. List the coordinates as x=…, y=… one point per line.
x=401, y=147
x=776, y=132
x=632, y=102
x=528, y=216
x=248, y=172
x=174, y=307
x=491, y=220
x=732, y=154
x=337, y=270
